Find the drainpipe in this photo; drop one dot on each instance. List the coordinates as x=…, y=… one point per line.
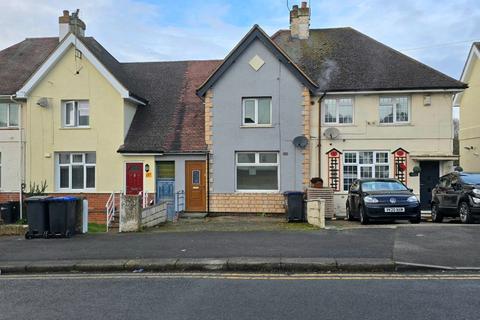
x=320, y=133
x=20, y=128
x=208, y=183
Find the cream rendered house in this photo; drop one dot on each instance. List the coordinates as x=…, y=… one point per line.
x=469, y=102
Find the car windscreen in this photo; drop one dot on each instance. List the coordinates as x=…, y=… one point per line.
x=470, y=178
x=383, y=186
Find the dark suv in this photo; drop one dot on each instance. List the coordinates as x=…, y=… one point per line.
x=457, y=195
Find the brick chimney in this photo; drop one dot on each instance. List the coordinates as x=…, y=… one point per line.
x=70, y=23
x=300, y=21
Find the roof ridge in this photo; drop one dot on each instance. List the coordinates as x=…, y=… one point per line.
x=171, y=61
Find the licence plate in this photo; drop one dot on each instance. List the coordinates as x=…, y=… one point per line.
x=395, y=209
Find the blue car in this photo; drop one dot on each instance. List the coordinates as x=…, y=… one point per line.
x=382, y=199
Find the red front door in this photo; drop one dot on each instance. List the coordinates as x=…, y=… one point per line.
x=134, y=177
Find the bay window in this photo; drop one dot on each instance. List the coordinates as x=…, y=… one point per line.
x=257, y=111
x=257, y=171
x=76, y=114
x=338, y=111
x=364, y=164
x=76, y=171
x=9, y=115
x=394, y=110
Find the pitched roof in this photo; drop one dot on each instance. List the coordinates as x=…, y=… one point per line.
x=343, y=59
x=255, y=33
x=18, y=62
x=112, y=64
x=173, y=121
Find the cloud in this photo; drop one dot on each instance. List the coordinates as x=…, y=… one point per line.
x=147, y=30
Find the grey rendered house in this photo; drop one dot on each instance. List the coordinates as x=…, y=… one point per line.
x=363, y=109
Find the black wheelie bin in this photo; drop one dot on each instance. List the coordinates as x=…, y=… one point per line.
x=294, y=208
x=62, y=212
x=37, y=217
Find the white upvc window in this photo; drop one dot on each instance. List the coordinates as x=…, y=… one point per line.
x=257, y=111
x=364, y=164
x=9, y=115
x=394, y=110
x=76, y=171
x=257, y=171
x=0, y=170
x=76, y=114
x=338, y=111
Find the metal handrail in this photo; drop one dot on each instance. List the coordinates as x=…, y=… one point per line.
x=110, y=206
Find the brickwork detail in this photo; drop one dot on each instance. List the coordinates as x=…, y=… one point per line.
x=307, y=106
x=9, y=196
x=209, y=133
x=247, y=202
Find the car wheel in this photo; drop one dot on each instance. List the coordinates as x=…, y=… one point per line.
x=465, y=213
x=363, y=216
x=436, y=214
x=416, y=220
x=348, y=214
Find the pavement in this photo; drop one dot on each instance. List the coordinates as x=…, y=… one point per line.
x=240, y=296
x=342, y=247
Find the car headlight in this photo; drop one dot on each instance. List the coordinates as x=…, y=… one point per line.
x=369, y=199
x=476, y=192
x=412, y=199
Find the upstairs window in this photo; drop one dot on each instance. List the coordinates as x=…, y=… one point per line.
x=394, y=110
x=257, y=111
x=76, y=114
x=9, y=115
x=338, y=111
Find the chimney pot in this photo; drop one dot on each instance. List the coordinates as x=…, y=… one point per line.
x=300, y=21
x=70, y=23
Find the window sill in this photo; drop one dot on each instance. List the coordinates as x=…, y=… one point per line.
x=398, y=124
x=75, y=128
x=75, y=191
x=9, y=128
x=339, y=125
x=257, y=126
x=257, y=191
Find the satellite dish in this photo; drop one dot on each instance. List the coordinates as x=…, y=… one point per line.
x=331, y=133
x=300, y=142
x=43, y=102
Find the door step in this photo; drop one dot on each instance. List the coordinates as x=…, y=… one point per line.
x=193, y=215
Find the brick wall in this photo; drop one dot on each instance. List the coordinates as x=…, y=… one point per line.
x=9, y=196
x=247, y=202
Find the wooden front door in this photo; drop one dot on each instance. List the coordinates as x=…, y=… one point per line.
x=134, y=178
x=196, y=186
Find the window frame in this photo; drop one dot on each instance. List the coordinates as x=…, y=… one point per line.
x=71, y=164
x=394, y=106
x=0, y=171
x=256, y=124
x=373, y=166
x=257, y=163
x=337, y=111
x=9, y=125
x=74, y=123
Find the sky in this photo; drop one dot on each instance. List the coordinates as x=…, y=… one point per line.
x=436, y=32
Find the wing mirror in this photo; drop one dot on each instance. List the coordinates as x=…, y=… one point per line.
x=410, y=189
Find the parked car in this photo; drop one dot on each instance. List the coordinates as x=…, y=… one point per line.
x=457, y=195
x=382, y=199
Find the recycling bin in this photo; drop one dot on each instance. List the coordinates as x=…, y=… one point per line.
x=10, y=212
x=294, y=207
x=37, y=217
x=62, y=212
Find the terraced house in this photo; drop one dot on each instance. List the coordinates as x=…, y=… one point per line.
x=226, y=135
